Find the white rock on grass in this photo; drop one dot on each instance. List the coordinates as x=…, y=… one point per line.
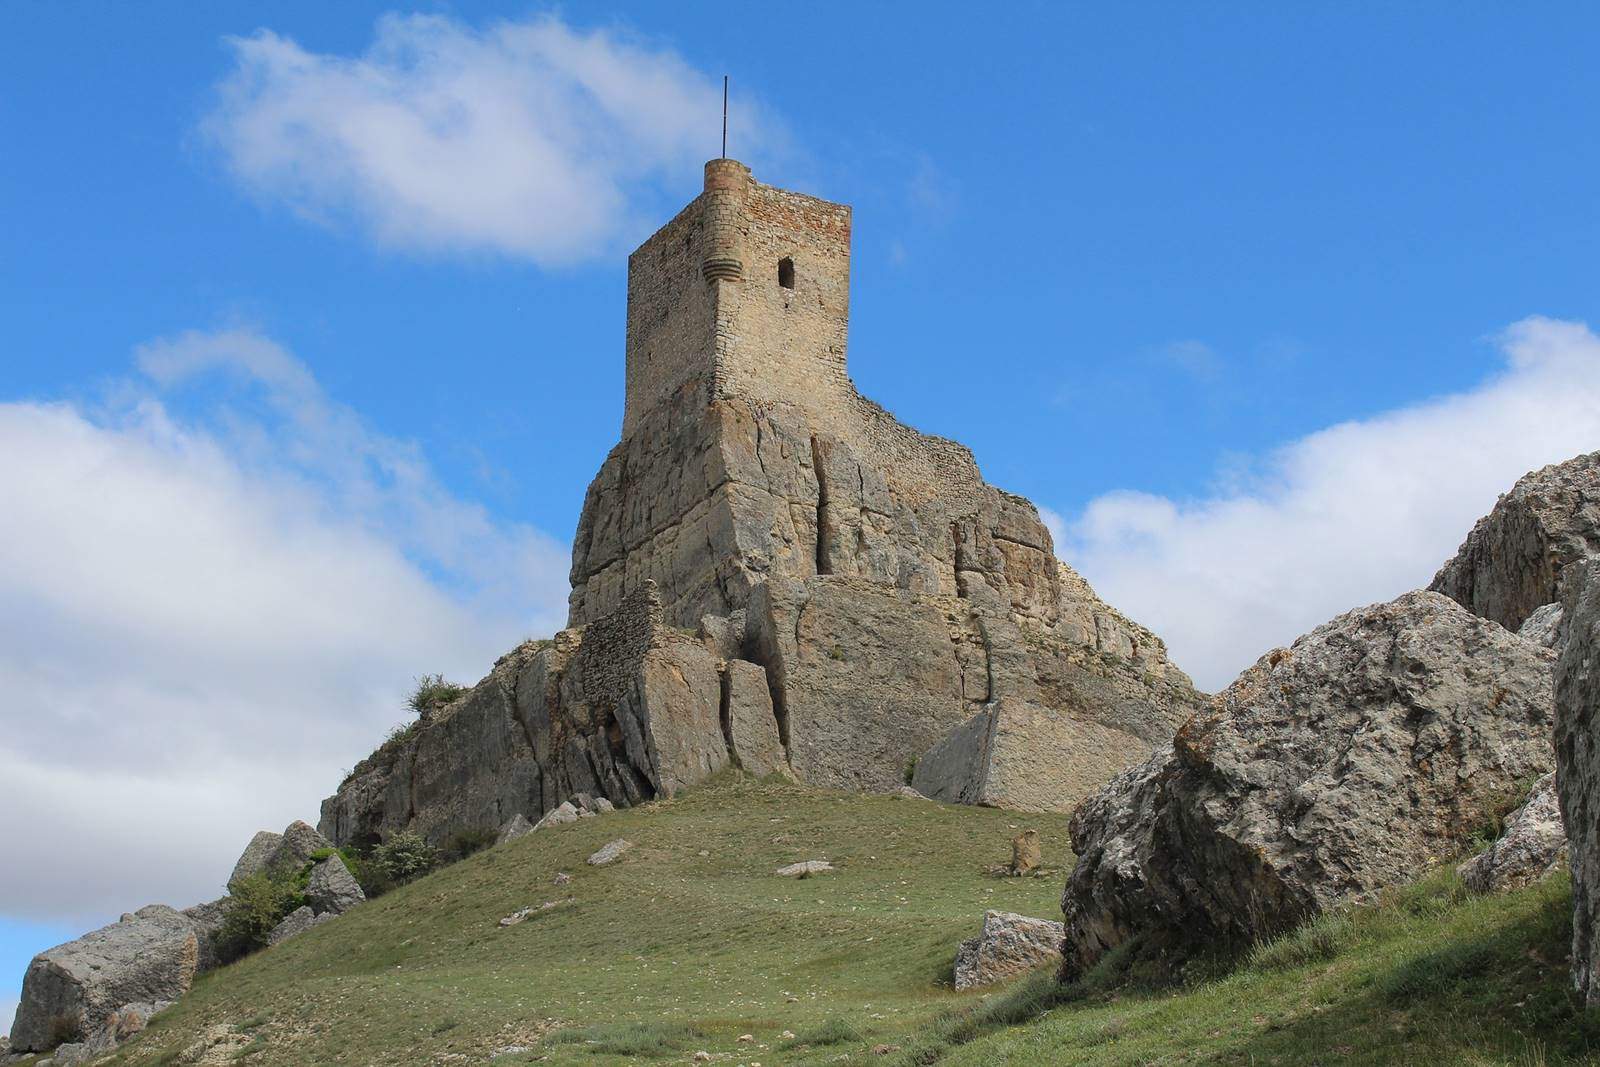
x=609, y=853
x=1008, y=945
x=515, y=827
x=559, y=815
x=805, y=868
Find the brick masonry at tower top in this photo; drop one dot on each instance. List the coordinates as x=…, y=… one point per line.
x=745, y=293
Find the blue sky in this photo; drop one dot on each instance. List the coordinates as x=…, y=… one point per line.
x=1264, y=303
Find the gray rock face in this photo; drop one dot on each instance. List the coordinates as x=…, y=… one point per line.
x=1372, y=748
x=295, y=923
x=1543, y=627
x=71, y=992
x=559, y=815
x=207, y=920
x=625, y=707
x=332, y=889
x=1515, y=560
x=515, y=827
x=1578, y=770
x=289, y=850
x=1023, y=756
x=257, y=856
x=750, y=721
x=1008, y=945
x=1534, y=844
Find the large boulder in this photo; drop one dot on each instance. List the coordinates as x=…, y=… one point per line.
x=1007, y=946
x=1578, y=770
x=1516, y=558
x=71, y=993
x=332, y=889
x=289, y=851
x=1377, y=745
x=296, y=923
x=1533, y=845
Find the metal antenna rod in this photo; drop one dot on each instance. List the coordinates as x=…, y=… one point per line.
x=724, y=116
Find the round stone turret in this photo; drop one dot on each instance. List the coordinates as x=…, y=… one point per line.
x=727, y=181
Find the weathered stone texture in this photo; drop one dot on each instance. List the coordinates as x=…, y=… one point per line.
x=332, y=889
x=1533, y=845
x=1008, y=945
x=1578, y=769
x=750, y=721
x=1372, y=748
x=1026, y=757
x=1516, y=558
x=858, y=592
x=626, y=708
x=71, y=991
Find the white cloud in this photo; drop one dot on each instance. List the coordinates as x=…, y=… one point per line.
x=202, y=620
x=527, y=138
x=1357, y=513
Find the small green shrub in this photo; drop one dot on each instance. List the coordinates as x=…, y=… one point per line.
x=832, y=1032
x=464, y=843
x=405, y=857
x=432, y=693
x=911, y=769
x=630, y=1039
x=1323, y=938
x=255, y=905
x=401, y=732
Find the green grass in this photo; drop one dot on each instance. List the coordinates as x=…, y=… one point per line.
x=671, y=951
x=1431, y=975
x=661, y=945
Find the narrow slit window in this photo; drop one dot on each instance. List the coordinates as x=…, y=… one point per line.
x=786, y=272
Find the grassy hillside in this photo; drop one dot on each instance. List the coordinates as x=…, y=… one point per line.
x=691, y=941
x=686, y=943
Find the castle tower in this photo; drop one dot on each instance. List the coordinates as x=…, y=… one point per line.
x=745, y=293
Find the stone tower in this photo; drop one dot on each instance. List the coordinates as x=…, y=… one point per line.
x=745, y=293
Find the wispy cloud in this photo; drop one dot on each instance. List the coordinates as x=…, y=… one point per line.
x=204, y=617
x=1356, y=513
x=528, y=138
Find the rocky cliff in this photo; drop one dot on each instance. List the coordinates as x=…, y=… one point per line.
x=1516, y=560
x=828, y=593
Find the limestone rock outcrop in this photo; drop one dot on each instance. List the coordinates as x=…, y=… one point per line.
x=1373, y=747
x=1008, y=945
x=1533, y=845
x=1578, y=769
x=332, y=889
x=772, y=571
x=268, y=851
x=295, y=923
x=73, y=993
x=1517, y=557
x=625, y=708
